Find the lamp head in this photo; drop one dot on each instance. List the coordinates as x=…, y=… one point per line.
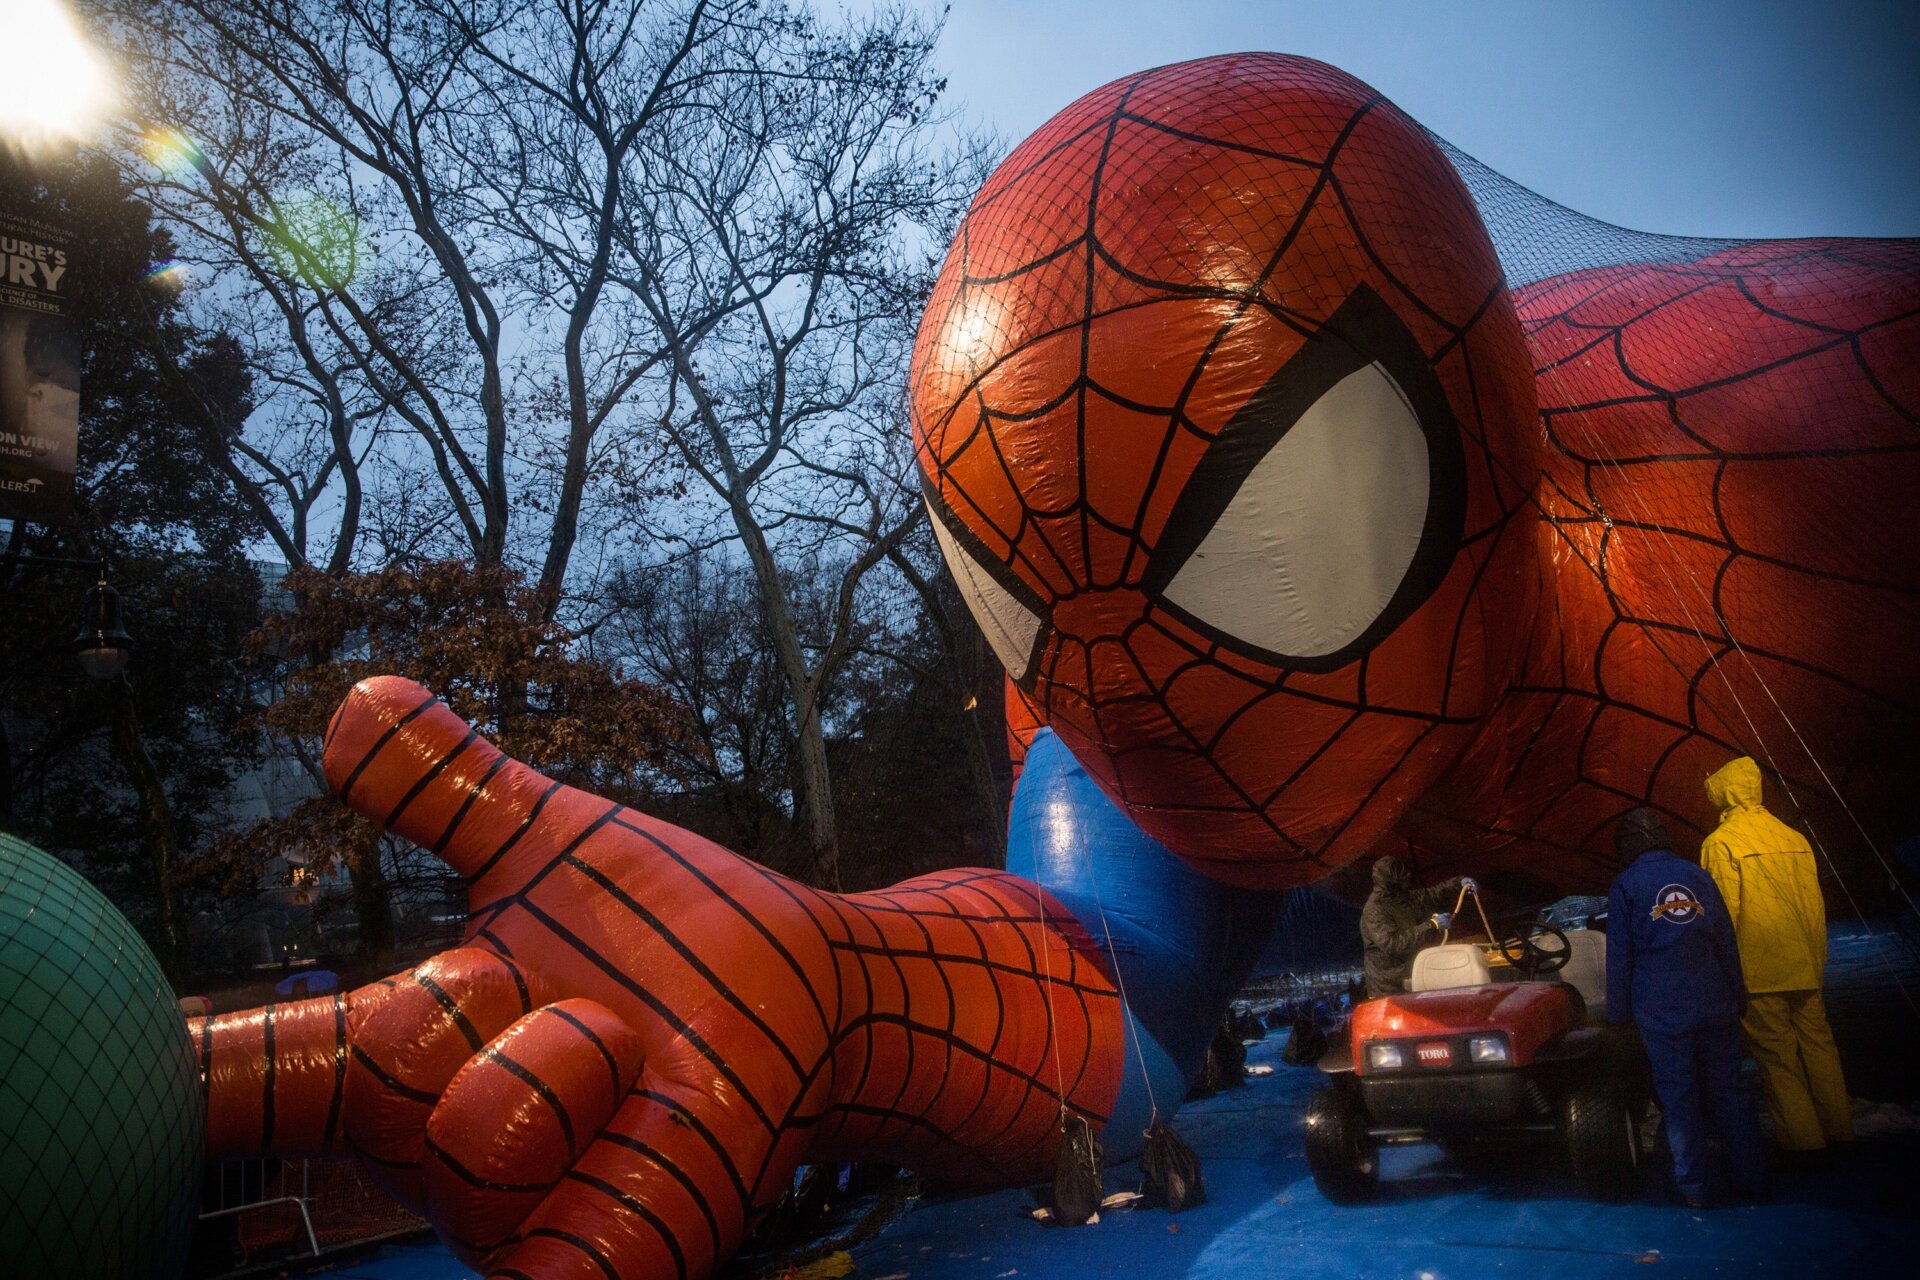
x=102, y=644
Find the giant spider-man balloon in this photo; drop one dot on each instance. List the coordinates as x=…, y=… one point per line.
x=1303, y=531
x=1305, y=534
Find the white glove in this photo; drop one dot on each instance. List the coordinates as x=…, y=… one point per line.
x=1470, y=885
x=1443, y=920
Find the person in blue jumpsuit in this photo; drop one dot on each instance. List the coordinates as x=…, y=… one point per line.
x=1673, y=970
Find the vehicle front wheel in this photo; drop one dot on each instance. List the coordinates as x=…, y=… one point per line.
x=1344, y=1160
x=1603, y=1142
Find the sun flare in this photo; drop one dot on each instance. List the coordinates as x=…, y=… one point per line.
x=51, y=83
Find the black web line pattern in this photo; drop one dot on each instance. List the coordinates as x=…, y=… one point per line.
x=1600, y=486
x=1607, y=505
x=1032, y=553
x=963, y=919
x=1703, y=609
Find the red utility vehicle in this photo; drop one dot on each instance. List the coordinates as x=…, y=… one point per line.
x=1491, y=1042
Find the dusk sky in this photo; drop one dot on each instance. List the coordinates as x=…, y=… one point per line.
x=1766, y=118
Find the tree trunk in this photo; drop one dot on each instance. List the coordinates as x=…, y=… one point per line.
x=814, y=776
x=372, y=906
x=816, y=800
x=984, y=724
x=162, y=840
x=371, y=903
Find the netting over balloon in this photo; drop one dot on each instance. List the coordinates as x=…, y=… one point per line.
x=1537, y=238
x=1315, y=518
x=1721, y=418
x=101, y=1116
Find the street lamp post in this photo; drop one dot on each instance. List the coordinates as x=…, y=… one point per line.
x=103, y=649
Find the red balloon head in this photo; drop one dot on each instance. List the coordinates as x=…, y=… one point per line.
x=1225, y=421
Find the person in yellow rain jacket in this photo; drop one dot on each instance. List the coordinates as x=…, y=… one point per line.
x=1765, y=871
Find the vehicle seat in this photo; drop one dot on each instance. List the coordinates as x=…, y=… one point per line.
x=1586, y=970
x=1456, y=964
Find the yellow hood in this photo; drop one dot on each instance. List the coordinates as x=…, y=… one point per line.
x=1736, y=785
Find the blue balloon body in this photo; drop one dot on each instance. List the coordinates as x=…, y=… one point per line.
x=1180, y=944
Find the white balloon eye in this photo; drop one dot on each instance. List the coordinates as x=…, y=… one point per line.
x=1328, y=509
x=1008, y=612
x=1321, y=532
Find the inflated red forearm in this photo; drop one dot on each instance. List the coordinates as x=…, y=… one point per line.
x=645, y=1034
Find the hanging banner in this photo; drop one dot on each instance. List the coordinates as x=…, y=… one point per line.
x=39, y=371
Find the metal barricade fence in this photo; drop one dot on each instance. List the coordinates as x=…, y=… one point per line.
x=239, y=1186
x=283, y=1208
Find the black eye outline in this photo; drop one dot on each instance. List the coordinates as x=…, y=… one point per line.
x=1363, y=331
x=1000, y=574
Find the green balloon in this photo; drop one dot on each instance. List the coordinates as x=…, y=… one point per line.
x=102, y=1118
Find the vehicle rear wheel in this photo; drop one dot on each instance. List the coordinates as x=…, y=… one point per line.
x=1603, y=1140
x=1344, y=1160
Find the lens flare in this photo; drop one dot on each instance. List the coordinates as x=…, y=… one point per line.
x=172, y=274
x=171, y=151
x=51, y=84
x=317, y=241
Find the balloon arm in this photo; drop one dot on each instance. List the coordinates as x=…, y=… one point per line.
x=274, y=1077
x=656, y=1030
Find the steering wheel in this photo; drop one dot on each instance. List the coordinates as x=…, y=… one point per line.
x=1541, y=948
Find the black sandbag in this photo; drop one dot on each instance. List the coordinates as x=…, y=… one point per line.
x=1306, y=1043
x=1229, y=1060
x=1233, y=1057
x=1077, y=1186
x=1225, y=1066
x=1170, y=1171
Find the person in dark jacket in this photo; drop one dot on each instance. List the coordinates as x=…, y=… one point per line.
x=1398, y=920
x=1673, y=971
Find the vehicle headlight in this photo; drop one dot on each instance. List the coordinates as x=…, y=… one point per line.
x=1488, y=1049
x=1384, y=1057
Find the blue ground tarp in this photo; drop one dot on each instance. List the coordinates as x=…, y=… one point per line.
x=1856, y=1216
x=1432, y=1221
